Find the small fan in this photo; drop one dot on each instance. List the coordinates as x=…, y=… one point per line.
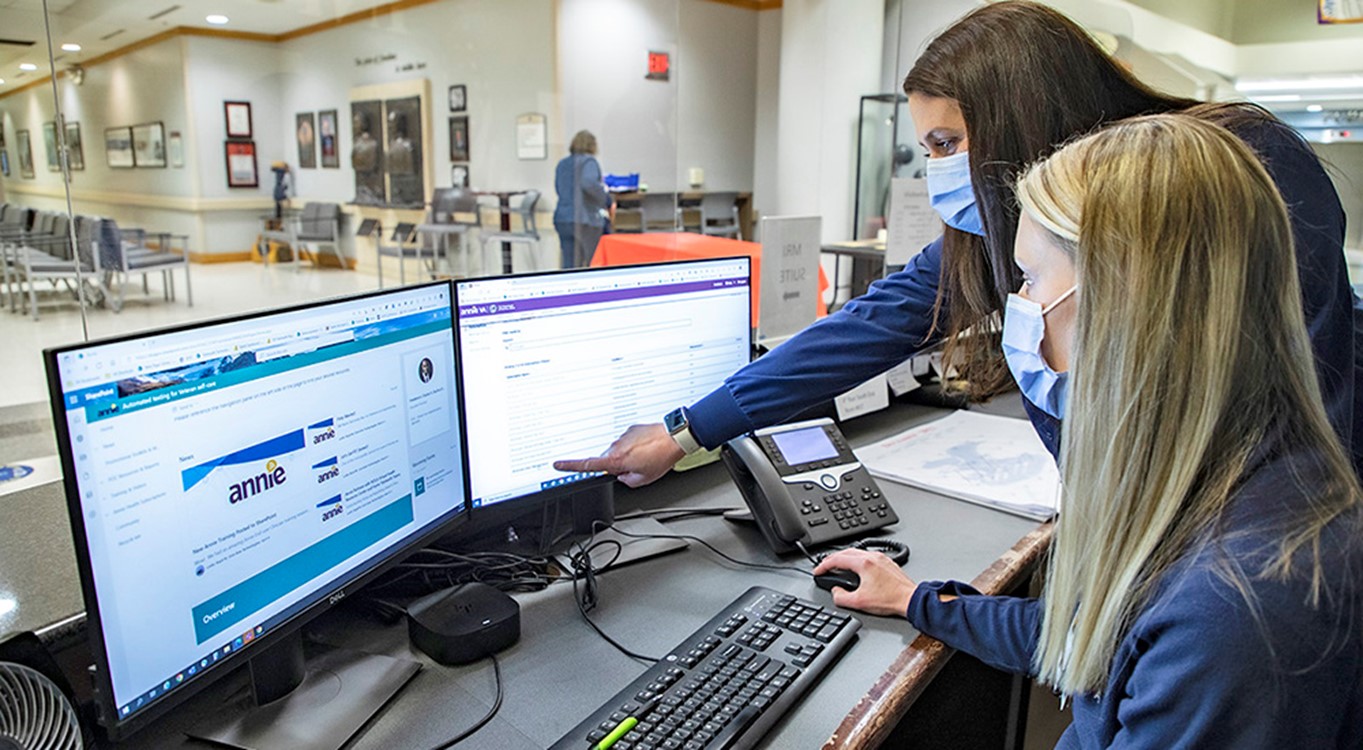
x=34, y=715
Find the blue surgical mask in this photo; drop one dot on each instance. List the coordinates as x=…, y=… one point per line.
x=951, y=194
x=1024, y=326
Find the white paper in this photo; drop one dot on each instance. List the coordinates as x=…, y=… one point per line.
x=873, y=395
x=901, y=379
x=531, y=137
x=789, y=292
x=913, y=222
x=994, y=461
x=921, y=364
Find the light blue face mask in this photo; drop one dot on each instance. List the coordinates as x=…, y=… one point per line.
x=951, y=194
x=1024, y=326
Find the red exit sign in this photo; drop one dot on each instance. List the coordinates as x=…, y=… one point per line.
x=659, y=66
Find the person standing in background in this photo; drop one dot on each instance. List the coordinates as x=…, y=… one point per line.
x=580, y=217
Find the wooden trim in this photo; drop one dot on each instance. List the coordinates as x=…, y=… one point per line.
x=356, y=17
x=251, y=36
x=870, y=722
x=232, y=257
x=750, y=4
x=150, y=200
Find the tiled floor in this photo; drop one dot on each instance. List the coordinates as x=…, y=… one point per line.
x=219, y=290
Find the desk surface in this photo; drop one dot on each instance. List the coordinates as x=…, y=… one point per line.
x=560, y=670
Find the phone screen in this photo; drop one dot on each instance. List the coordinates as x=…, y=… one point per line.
x=803, y=446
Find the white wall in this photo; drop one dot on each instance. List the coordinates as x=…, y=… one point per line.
x=767, y=99
x=501, y=50
x=603, y=49
x=146, y=85
x=716, y=68
x=830, y=57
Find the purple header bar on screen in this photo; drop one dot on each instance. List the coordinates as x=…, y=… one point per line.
x=507, y=307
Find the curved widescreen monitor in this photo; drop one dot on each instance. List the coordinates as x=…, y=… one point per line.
x=558, y=365
x=229, y=479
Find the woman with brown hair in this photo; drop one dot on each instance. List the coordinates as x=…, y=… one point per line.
x=1007, y=84
x=1205, y=586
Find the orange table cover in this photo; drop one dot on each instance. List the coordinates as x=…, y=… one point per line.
x=629, y=249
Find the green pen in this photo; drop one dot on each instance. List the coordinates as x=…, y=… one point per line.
x=616, y=734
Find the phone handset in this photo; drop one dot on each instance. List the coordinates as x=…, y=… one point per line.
x=767, y=496
x=804, y=484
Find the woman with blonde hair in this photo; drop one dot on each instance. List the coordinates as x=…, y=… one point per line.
x=1203, y=589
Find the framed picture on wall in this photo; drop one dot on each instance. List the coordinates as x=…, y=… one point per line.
x=459, y=98
x=238, y=116
x=149, y=145
x=1339, y=11
x=459, y=175
x=118, y=148
x=305, y=131
x=75, y=148
x=54, y=163
x=175, y=149
x=4, y=162
x=459, y=138
x=25, y=149
x=326, y=138
x=241, y=164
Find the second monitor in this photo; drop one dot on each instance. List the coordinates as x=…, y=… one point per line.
x=557, y=365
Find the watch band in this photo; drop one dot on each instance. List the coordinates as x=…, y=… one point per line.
x=678, y=424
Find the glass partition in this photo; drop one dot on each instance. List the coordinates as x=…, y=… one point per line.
x=234, y=155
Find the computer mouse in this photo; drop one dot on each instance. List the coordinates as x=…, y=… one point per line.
x=837, y=577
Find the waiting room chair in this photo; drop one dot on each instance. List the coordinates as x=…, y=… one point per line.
x=719, y=215
x=455, y=212
x=124, y=252
x=405, y=246
x=529, y=234
x=50, y=257
x=660, y=212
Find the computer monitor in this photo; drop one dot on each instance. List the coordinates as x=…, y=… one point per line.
x=558, y=365
x=229, y=480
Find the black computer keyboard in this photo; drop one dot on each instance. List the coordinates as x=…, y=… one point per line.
x=727, y=683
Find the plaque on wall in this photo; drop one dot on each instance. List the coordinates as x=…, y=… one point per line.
x=25, y=149
x=118, y=147
x=149, y=145
x=54, y=163
x=366, y=156
x=306, y=134
x=403, y=155
x=326, y=138
x=75, y=148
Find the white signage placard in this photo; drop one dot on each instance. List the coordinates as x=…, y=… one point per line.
x=873, y=395
x=913, y=222
x=901, y=378
x=789, y=290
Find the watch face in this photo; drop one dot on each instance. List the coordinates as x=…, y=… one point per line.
x=675, y=420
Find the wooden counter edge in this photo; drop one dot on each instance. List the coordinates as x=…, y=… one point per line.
x=877, y=713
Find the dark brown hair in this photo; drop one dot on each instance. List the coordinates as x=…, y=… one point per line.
x=1028, y=79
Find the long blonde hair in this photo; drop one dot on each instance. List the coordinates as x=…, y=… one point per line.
x=1190, y=351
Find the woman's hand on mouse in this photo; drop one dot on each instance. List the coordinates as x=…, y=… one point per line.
x=884, y=589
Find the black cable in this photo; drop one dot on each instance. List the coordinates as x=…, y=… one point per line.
x=702, y=542
x=496, y=706
x=583, y=570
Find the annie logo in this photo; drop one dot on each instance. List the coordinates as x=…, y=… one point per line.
x=324, y=435
x=326, y=470
x=331, y=508
x=272, y=477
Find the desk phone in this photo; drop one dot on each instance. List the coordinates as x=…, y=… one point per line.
x=803, y=484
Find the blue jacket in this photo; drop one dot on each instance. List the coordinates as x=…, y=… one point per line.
x=891, y=321
x=1197, y=669
x=581, y=192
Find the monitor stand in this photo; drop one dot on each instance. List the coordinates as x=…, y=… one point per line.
x=314, y=705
